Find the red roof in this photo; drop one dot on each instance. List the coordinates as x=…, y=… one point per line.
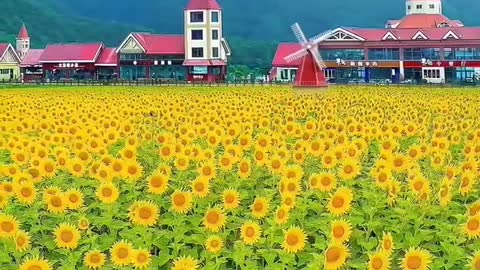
x=425, y=21
x=32, y=58
x=197, y=63
x=161, y=44
x=203, y=4
x=108, y=57
x=464, y=33
x=23, y=33
x=83, y=53
x=284, y=50
x=3, y=49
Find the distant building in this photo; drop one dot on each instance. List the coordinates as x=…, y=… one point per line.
x=200, y=54
x=424, y=45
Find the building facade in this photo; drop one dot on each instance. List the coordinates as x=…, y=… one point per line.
x=200, y=54
x=423, y=46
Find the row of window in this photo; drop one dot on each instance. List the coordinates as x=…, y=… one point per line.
x=5, y=71
x=198, y=52
x=431, y=6
x=144, y=57
x=393, y=54
x=431, y=74
x=198, y=34
x=198, y=17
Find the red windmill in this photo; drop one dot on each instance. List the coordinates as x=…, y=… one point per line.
x=311, y=69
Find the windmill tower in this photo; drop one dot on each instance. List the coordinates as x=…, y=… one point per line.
x=311, y=70
x=203, y=30
x=23, y=42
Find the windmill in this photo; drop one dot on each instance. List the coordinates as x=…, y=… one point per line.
x=311, y=70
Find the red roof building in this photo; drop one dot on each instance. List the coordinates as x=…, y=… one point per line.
x=23, y=33
x=423, y=46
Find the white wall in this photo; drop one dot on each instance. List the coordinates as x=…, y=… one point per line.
x=207, y=43
x=425, y=7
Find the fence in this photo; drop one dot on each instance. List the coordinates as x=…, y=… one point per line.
x=209, y=84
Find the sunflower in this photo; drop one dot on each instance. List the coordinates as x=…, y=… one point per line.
x=349, y=169
x=181, y=202
x=379, y=261
x=94, y=259
x=22, y=241
x=107, y=193
x=473, y=210
x=260, y=207
x=244, y=168
x=326, y=182
x=47, y=168
x=207, y=170
x=4, y=198
x=141, y=258
x=200, y=187
x=399, y=163
x=214, y=220
x=383, y=178
x=416, y=259
x=26, y=193
x=118, y=167
x=133, y=171
x=185, y=263
x=83, y=223
x=182, y=162
x=214, y=244
x=121, y=253
x=335, y=256
x=66, y=236
x=226, y=162
x=157, y=183
x=57, y=203
x=387, y=244
x=74, y=199
x=281, y=215
x=290, y=186
x=341, y=231
x=293, y=172
x=329, y=160
x=8, y=226
x=250, y=233
x=294, y=240
x=36, y=263
x=341, y=202
x=289, y=201
x=444, y=194
x=231, y=199
x=7, y=187
x=144, y=213
x=472, y=228
x=474, y=263
x=467, y=181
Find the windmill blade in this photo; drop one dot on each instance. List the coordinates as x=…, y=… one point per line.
x=321, y=37
x=318, y=57
x=295, y=56
x=299, y=33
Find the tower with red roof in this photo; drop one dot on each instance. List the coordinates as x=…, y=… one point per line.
x=23, y=42
x=206, y=50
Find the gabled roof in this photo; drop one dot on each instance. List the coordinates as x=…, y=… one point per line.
x=157, y=44
x=79, y=53
x=32, y=58
x=284, y=50
x=4, y=48
x=203, y=4
x=419, y=35
x=426, y=21
x=108, y=57
x=23, y=33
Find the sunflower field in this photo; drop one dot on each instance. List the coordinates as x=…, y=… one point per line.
x=239, y=178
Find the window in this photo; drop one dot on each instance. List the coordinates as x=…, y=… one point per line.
x=409, y=7
x=197, y=34
x=215, y=53
x=432, y=6
x=284, y=74
x=196, y=17
x=197, y=52
x=431, y=74
x=344, y=54
x=215, y=34
x=384, y=54
x=419, y=6
x=215, y=16
x=419, y=53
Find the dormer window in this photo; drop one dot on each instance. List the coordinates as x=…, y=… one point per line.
x=196, y=17
x=443, y=25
